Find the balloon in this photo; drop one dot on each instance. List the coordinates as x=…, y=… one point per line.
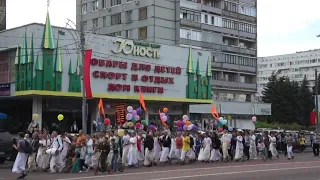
x=194, y=128
x=179, y=129
x=134, y=112
x=130, y=124
x=139, y=111
x=129, y=116
x=254, y=118
x=185, y=127
x=182, y=124
x=190, y=127
x=229, y=136
x=220, y=119
x=164, y=118
x=256, y=123
x=129, y=109
x=165, y=110
x=108, y=106
x=106, y=121
x=178, y=123
x=224, y=121
x=188, y=123
x=60, y=117
x=138, y=125
x=120, y=132
x=162, y=114
x=152, y=127
x=144, y=122
x=185, y=117
x=230, y=129
x=220, y=130
x=137, y=117
x=35, y=116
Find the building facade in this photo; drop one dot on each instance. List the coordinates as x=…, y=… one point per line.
x=295, y=66
x=3, y=15
x=225, y=28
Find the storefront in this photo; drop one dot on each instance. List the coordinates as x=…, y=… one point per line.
x=48, y=71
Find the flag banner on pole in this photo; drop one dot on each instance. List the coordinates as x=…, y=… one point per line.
x=142, y=101
x=214, y=112
x=101, y=108
x=86, y=73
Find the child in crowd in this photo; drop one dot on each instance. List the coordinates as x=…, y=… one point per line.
x=83, y=153
x=76, y=160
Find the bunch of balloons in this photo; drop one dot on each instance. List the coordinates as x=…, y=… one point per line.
x=254, y=121
x=133, y=115
x=164, y=117
x=221, y=121
x=185, y=124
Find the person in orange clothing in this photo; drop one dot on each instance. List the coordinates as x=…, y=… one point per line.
x=81, y=139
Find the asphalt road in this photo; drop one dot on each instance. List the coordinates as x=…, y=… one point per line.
x=304, y=166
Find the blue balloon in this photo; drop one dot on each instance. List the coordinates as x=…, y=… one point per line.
x=230, y=128
x=229, y=136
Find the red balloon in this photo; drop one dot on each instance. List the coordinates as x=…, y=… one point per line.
x=220, y=130
x=106, y=121
x=178, y=123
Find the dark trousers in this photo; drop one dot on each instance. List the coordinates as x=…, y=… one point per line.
x=315, y=149
x=82, y=164
x=246, y=152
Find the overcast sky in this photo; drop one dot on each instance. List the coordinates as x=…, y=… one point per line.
x=284, y=26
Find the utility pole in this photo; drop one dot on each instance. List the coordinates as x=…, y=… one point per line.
x=316, y=97
x=84, y=100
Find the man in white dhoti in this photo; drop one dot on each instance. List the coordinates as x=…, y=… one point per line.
x=253, y=146
x=57, y=146
x=239, y=146
x=133, y=151
x=207, y=144
x=125, y=148
x=148, y=144
x=42, y=156
x=156, y=148
x=21, y=159
x=166, y=144
x=225, y=141
x=273, y=145
x=66, y=145
x=140, y=147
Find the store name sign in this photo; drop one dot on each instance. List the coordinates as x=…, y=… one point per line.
x=111, y=70
x=143, y=49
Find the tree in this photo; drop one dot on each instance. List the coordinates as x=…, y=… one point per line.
x=270, y=89
x=306, y=102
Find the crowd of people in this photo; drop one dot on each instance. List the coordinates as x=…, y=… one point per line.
x=111, y=151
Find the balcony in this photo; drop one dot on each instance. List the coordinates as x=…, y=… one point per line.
x=211, y=46
x=211, y=9
x=248, y=51
x=212, y=28
x=230, y=31
x=233, y=49
x=233, y=85
x=247, y=35
x=190, y=5
x=191, y=42
x=248, y=69
x=188, y=23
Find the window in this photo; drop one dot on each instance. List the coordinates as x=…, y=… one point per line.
x=190, y=34
x=129, y=34
x=129, y=0
x=210, y=3
x=128, y=16
x=247, y=28
x=116, y=19
x=116, y=34
x=247, y=61
x=84, y=9
x=230, y=24
x=95, y=23
x=115, y=2
x=104, y=21
x=104, y=4
x=247, y=10
x=95, y=5
x=85, y=25
x=206, y=19
x=230, y=59
x=190, y=15
x=143, y=33
x=143, y=13
x=229, y=6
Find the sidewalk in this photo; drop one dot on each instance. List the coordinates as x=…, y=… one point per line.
x=6, y=165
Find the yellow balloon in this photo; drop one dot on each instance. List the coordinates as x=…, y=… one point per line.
x=130, y=124
x=120, y=132
x=60, y=117
x=35, y=116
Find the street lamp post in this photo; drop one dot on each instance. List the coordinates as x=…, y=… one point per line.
x=84, y=100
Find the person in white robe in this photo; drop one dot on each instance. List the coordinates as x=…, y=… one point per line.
x=172, y=153
x=56, y=146
x=179, y=144
x=225, y=143
x=133, y=151
x=88, y=158
x=239, y=146
x=207, y=144
x=141, y=152
x=216, y=145
x=19, y=165
x=156, y=149
x=42, y=157
x=273, y=146
x=125, y=148
x=166, y=144
x=201, y=151
x=253, y=146
x=148, y=144
x=66, y=145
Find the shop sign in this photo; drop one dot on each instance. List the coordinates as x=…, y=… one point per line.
x=143, y=49
x=5, y=89
x=157, y=78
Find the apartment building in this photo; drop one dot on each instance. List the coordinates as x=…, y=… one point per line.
x=295, y=66
x=227, y=28
x=2, y=15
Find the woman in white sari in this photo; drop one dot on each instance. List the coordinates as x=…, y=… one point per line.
x=157, y=148
x=172, y=154
x=133, y=151
x=207, y=143
x=239, y=146
x=88, y=159
x=43, y=158
x=19, y=165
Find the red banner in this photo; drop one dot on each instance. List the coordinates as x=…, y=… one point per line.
x=86, y=73
x=313, y=118
x=120, y=113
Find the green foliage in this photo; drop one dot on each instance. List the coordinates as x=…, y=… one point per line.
x=291, y=103
x=276, y=125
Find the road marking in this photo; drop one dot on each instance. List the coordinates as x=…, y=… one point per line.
x=239, y=172
x=181, y=170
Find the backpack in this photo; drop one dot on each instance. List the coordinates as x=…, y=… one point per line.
x=27, y=147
